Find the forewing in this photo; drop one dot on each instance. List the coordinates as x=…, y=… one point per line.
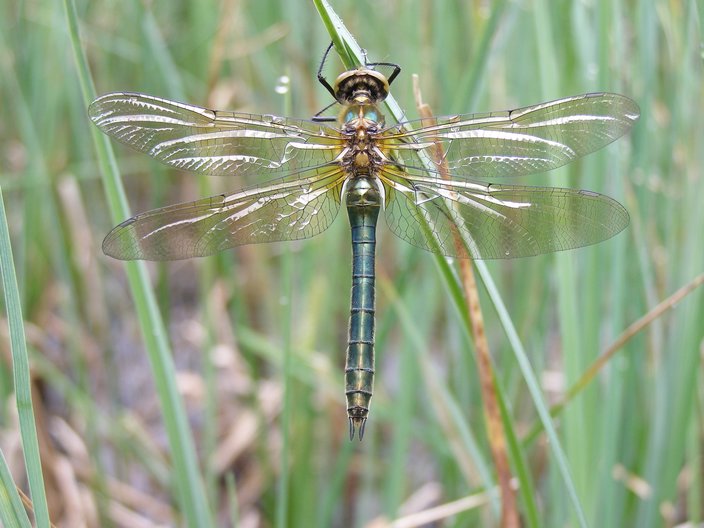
x=523, y=141
x=497, y=221
x=296, y=207
x=212, y=142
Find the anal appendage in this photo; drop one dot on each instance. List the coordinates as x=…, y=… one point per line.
x=357, y=423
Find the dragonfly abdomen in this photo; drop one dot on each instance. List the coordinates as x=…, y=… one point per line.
x=363, y=204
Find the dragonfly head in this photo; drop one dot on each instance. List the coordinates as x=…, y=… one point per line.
x=361, y=87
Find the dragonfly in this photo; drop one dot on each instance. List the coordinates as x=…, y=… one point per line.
x=311, y=168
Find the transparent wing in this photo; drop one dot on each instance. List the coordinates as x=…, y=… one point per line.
x=213, y=142
x=523, y=141
x=298, y=206
x=497, y=221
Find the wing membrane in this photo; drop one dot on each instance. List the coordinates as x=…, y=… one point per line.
x=213, y=142
x=523, y=141
x=292, y=208
x=498, y=221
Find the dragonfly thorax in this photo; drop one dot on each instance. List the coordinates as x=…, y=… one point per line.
x=361, y=126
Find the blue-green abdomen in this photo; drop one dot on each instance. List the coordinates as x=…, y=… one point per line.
x=363, y=204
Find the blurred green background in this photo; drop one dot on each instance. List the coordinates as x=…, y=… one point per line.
x=258, y=334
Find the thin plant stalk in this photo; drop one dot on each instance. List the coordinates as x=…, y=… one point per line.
x=492, y=414
x=617, y=345
x=188, y=482
x=22, y=380
x=351, y=55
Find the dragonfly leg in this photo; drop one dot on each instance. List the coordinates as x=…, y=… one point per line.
x=394, y=74
x=321, y=78
x=321, y=118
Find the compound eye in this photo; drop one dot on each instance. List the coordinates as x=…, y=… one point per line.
x=372, y=115
x=350, y=115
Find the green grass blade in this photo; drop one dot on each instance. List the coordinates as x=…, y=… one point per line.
x=188, y=482
x=341, y=38
x=20, y=368
x=284, y=481
x=565, y=263
x=526, y=486
x=531, y=380
x=442, y=399
x=12, y=513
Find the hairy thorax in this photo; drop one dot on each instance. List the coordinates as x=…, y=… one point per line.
x=362, y=156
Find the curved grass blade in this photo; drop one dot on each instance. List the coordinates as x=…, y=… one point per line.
x=340, y=33
x=189, y=488
x=12, y=513
x=23, y=386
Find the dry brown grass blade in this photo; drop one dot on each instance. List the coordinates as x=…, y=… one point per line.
x=617, y=345
x=85, y=260
x=430, y=516
x=631, y=331
x=228, y=15
x=492, y=413
x=27, y=503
